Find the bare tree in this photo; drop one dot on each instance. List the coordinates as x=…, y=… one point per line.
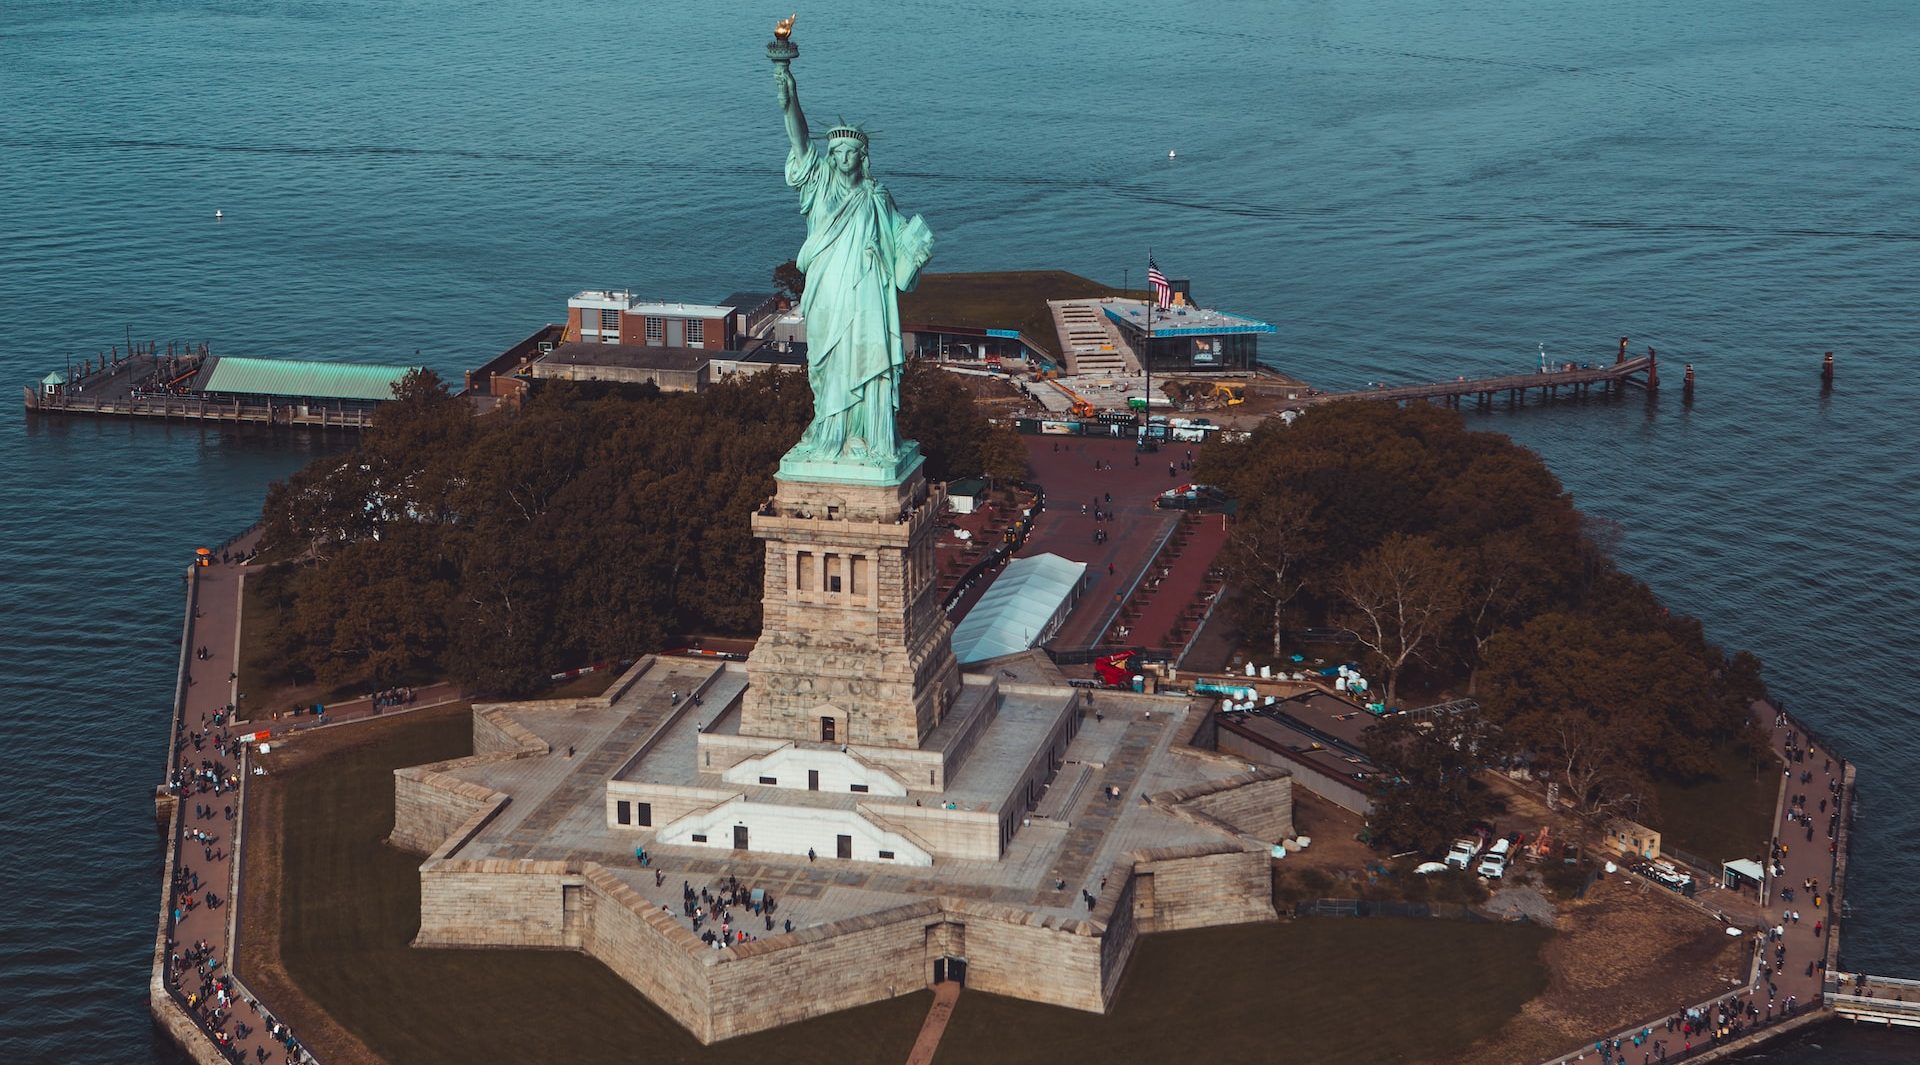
x=1593, y=768
x=1503, y=583
x=1402, y=596
x=1270, y=550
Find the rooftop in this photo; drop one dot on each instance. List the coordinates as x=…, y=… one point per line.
x=747, y=301
x=1076, y=834
x=580, y=353
x=1017, y=608
x=1180, y=321
x=295, y=377
x=680, y=310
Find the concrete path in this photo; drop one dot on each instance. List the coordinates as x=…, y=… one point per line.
x=1806, y=848
x=945, y=994
x=205, y=777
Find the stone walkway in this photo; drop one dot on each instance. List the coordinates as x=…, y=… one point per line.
x=587, y=776
x=945, y=994
x=1097, y=816
x=209, y=865
x=1072, y=482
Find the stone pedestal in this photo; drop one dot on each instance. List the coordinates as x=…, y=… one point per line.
x=854, y=647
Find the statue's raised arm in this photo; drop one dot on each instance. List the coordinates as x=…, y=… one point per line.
x=860, y=253
x=790, y=106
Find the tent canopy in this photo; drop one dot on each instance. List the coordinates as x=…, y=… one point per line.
x=1019, y=608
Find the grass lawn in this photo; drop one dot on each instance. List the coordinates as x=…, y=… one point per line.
x=345, y=905
x=1011, y=299
x=1375, y=990
x=1729, y=816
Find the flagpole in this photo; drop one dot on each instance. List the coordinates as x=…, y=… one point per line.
x=1146, y=359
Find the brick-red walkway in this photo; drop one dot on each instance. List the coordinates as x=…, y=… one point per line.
x=1162, y=606
x=216, y=629
x=1064, y=466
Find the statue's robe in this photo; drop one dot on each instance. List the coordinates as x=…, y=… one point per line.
x=856, y=260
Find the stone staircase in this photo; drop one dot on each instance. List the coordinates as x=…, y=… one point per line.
x=1089, y=342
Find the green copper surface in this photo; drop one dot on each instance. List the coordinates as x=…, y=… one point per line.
x=860, y=254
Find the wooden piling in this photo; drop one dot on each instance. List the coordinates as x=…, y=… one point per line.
x=1686, y=386
x=1653, y=369
x=1826, y=370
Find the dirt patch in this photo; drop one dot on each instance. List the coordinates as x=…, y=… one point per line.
x=1333, y=830
x=1624, y=954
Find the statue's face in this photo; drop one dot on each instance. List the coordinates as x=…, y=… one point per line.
x=845, y=156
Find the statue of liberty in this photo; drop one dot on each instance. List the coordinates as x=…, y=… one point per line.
x=860, y=252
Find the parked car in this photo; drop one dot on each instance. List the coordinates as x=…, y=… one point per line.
x=1463, y=852
x=1493, y=865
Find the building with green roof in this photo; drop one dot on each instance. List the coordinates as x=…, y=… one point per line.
x=298, y=381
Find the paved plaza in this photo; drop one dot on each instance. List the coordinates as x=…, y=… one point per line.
x=1075, y=833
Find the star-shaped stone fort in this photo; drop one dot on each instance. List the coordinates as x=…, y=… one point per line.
x=848, y=817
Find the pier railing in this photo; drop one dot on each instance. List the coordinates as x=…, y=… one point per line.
x=1578, y=379
x=1882, y=999
x=200, y=408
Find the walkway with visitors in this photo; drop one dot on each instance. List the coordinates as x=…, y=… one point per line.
x=1100, y=511
x=206, y=776
x=1786, y=975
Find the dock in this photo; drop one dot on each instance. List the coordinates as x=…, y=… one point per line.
x=199, y=386
x=1875, y=999
x=1578, y=381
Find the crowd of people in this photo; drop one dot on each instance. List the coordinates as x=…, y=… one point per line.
x=205, y=781
x=1695, y=1029
x=713, y=909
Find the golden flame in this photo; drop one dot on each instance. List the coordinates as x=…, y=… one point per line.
x=783, y=29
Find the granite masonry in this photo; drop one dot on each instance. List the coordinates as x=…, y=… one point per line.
x=848, y=814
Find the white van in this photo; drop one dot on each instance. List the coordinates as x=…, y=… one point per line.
x=1494, y=865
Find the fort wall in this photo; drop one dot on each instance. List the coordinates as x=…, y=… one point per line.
x=1010, y=950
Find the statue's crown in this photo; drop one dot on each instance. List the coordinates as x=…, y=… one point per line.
x=850, y=132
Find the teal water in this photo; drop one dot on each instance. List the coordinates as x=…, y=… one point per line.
x=1407, y=189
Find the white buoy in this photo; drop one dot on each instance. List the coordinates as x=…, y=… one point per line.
x=1170, y=153
x=218, y=214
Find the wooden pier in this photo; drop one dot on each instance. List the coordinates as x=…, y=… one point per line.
x=1578, y=382
x=1875, y=999
x=201, y=409
x=156, y=386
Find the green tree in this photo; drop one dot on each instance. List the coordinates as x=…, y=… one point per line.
x=1003, y=454
x=789, y=282
x=1429, y=792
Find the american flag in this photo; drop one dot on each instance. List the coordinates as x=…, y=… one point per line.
x=1162, y=292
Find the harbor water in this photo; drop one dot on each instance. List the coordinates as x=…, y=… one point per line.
x=1409, y=190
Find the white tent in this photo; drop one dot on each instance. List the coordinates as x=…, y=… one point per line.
x=1022, y=607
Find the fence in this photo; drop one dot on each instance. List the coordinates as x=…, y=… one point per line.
x=1451, y=911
